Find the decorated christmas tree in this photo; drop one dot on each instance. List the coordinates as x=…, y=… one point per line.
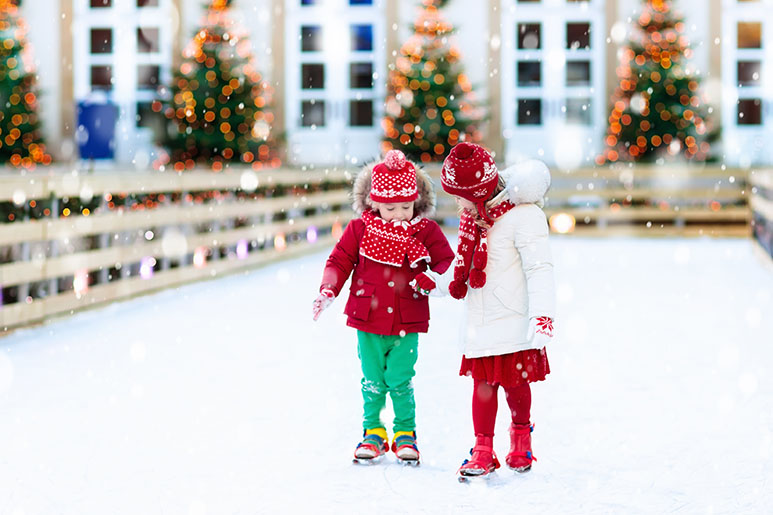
x=21, y=142
x=218, y=107
x=656, y=108
x=429, y=105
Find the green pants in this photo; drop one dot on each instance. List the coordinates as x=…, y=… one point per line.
x=387, y=366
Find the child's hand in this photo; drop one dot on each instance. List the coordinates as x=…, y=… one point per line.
x=423, y=284
x=540, y=331
x=321, y=303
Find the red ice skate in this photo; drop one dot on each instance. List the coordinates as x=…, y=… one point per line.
x=520, y=457
x=483, y=461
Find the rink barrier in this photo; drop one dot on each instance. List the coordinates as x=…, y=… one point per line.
x=171, y=229
x=762, y=211
x=673, y=200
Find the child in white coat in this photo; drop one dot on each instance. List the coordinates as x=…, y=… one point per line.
x=504, y=271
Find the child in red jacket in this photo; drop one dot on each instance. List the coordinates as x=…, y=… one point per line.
x=386, y=248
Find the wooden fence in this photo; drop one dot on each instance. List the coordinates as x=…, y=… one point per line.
x=762, y=210
x=646, y=201
x=73, y=240
x=105, y=237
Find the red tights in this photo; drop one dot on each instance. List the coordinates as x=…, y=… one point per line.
x=484, y=405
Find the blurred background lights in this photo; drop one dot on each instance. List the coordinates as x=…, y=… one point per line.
x=242, y=249
x=562, y=223
x=337, y=231
x=311, y=234
x=174, y=244
x=249, y=181
x=146, y=267
x=200, y=257
x=280, y=243
x=19, y=197
x=80, y=282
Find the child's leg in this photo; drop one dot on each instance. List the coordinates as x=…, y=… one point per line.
x=484, y=408
x=519, y=400
x=400, y=362
x=372, y=350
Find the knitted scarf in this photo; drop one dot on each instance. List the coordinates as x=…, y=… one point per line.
x=473, y=251
x=391, y=242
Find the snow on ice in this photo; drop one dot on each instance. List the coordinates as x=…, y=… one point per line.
x=224, y=397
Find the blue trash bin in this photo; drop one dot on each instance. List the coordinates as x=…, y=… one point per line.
x=95, y=133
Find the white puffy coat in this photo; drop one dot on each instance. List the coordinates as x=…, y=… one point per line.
x=519, y=272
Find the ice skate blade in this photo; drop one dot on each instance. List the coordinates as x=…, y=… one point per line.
x=480, y=478
x=520, y=470
x=409, y=463
x=367, y=461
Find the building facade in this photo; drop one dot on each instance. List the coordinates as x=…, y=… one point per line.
x=544, y=68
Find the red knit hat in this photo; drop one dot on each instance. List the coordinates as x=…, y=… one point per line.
x=470, y=172
x=394, y=180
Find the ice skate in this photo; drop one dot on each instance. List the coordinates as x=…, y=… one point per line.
x=372, y=447
x=405, y=448
x=483, y=461
x=520, y=456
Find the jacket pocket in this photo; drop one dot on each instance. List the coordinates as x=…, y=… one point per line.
x=360, y=301
x=512, y=300
x=414, y=308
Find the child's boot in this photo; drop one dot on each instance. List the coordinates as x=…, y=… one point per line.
x=483, y=460
x=520, y=457
x=404, y=446
x=372, y=447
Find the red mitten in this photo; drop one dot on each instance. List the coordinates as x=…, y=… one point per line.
x=423, y=284
x=322, y=302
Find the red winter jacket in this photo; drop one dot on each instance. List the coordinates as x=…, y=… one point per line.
x=380, y=299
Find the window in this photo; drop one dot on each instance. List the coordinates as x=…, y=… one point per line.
x=529, y=36
x=101, y=41
x=311, y=38
x=361, y=113
x=749, y=73
x=530, y=111
x=148, y=75
x=149, y=119
x=362, y=37
x=749, y=34
x=578, y=111
x=313, y=113
x=529, y=73
x=312, y=76
x=578, y=73
x=101, y=77
x=361, y=75
x=577, y=35
x=147, y=40
x=750, y=111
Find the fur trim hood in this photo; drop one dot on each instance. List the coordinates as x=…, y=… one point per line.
x=424, y=205
x=526, y=182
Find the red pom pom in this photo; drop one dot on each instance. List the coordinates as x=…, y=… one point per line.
x=477, y=278
x=394, y=160
x=457, y=289
x=464, y=150
x=480, y=259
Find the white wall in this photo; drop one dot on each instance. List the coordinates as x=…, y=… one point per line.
x=43, y=20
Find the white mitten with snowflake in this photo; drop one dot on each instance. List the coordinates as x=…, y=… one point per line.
x=540, y=331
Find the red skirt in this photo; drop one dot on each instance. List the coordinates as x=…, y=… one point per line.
x=514, y=369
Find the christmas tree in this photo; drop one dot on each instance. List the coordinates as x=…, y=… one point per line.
x=656, y=110
x=21, y=142
x=429, y=106
x=218, y=106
